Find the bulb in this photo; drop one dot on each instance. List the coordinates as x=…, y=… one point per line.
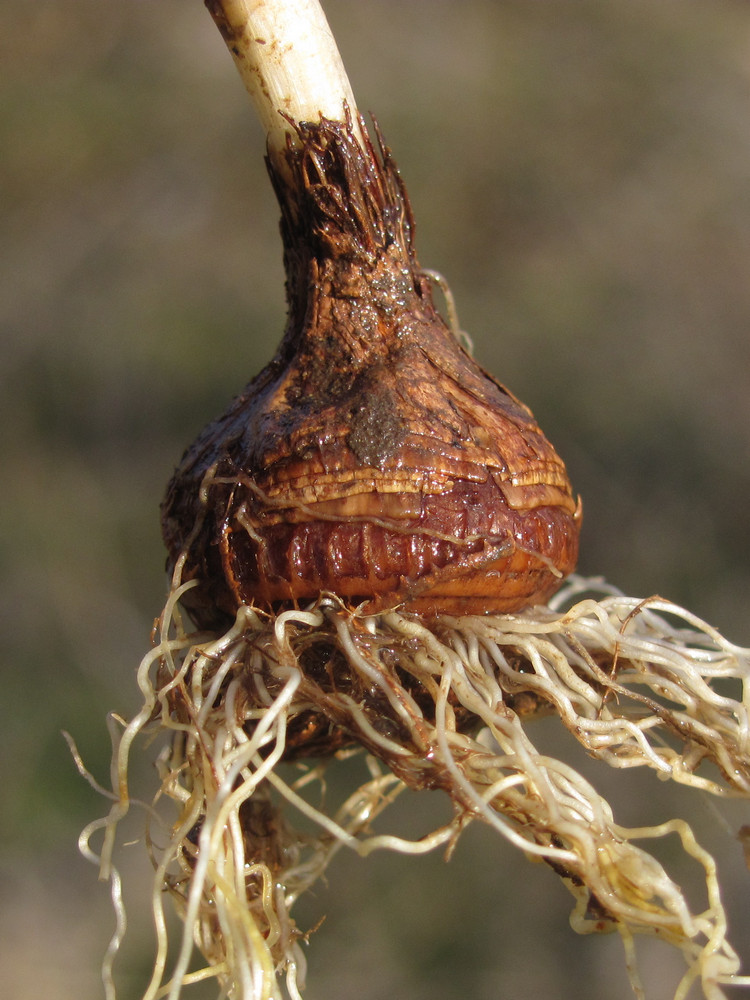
x=372, y=458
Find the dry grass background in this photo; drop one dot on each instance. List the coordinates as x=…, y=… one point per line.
x=580, y=171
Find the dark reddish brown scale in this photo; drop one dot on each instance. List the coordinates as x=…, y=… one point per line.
x=373, y=457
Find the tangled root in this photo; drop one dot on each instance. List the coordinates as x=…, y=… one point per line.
x=441, y=703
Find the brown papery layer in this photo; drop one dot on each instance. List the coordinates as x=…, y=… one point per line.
x=372, y=457
x=467, y=552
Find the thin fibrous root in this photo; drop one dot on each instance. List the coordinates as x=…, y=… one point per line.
x=441, y=703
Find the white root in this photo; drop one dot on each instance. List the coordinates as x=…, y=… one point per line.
x=631, y=679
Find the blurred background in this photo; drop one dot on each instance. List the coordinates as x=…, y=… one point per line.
x=580, y=173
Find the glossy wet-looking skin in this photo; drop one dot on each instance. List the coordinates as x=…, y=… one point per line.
x=372, y=457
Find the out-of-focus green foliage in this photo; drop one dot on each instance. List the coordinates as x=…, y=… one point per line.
x=580, y=172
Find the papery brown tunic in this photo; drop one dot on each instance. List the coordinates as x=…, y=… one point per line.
x=372, y=458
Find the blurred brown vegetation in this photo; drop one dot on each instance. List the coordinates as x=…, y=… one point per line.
x=580, y=172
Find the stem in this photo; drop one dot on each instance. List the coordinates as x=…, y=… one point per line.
x=289, y=63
